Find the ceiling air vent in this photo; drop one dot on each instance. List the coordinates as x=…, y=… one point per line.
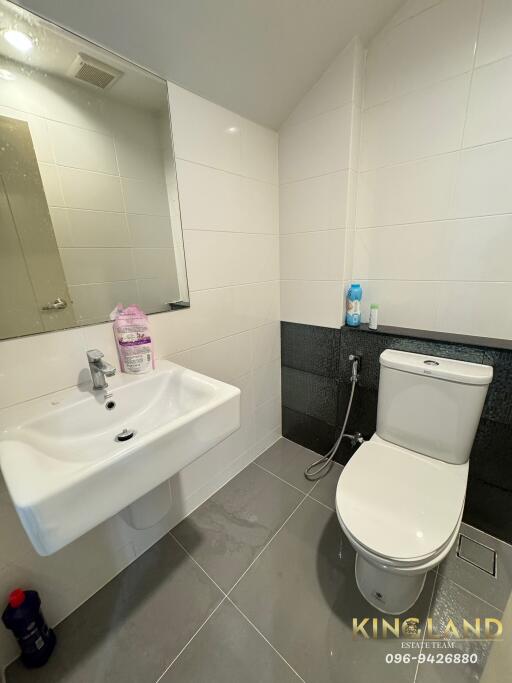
x=92, y=71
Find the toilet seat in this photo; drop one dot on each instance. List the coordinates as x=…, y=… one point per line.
x=401, y=506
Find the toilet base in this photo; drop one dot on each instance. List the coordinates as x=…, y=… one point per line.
x=389, y=592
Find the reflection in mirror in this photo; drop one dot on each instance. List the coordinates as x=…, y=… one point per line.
x=89, y=212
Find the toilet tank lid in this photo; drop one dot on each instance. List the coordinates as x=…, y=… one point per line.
x=434, y=366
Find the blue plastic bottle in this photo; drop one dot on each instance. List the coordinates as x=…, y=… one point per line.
x=23, y=617
x=354, y=296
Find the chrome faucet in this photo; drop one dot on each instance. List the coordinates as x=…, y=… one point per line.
x=99, y=369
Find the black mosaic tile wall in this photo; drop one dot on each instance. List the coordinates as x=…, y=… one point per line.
x=316, y=387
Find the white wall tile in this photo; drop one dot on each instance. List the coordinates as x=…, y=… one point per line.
x=33, y=366
x=417, y=125
x=97, y=229
x=61, y=228
x=316, y=146
x=444, y=250
x=156, y=293
x=490, y=106
x=226, y=359
x=416, y=191
x=211, y=316
x=483, y=182
x=480, y=308
x=149, y=231
x=83, y=266
x=405, y=252
x=89, y=190
x=204, y=132
x=145, y=196
x=333, y=89
x=312, y=303
x=477, y=249
x=259, y=206
x=318, y=158
x=402, y=303
x=258, y=152
x=473, y=249
x=314, y=204
x=92, y=303
x=495, y=30
x=81, y=148
x=256, y=304
x=315, y=255
x=210, y=199
x=240, y=258
x=152, y=261
x=267, y=382
x=436, y=44
x=51, y=185
x=267, y=417
x=266, y=344
x=136, y=160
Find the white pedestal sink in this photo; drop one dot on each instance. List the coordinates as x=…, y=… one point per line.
x=66, y=470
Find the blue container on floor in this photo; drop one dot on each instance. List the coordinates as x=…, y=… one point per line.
x=24, y=618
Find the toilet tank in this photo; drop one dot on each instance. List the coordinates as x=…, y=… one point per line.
x=431, y=405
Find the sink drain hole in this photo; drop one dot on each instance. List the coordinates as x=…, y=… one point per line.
x=125, y=435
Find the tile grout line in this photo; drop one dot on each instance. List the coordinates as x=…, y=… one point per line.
x=264, y=638
x=266, y=546
x=320, y=503
x=427, y=615
x=304, y=493
x=309, y=495
x=220, y=603
x=191, y=639
x=226, y=595
x=197, y=563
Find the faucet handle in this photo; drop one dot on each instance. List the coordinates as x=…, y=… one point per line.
x=94, y=355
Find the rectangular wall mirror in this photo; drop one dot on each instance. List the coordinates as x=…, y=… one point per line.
x=89, y=208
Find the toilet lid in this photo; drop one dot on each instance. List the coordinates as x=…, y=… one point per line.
x=398, y=503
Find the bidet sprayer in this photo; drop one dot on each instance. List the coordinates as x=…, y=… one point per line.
x=356, y=365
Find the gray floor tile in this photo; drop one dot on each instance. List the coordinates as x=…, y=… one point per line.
x=325, y=490
x=131, y=629
x=227, y=532
x=229, y=650
x=452, y=602
x=495, y=590
x=288, y=460
x=303, y=599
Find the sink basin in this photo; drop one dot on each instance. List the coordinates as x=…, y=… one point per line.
x=74, y=458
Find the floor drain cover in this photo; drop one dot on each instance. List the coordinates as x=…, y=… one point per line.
x=477, y=554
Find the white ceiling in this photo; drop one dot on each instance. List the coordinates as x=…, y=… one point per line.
x=256, y=57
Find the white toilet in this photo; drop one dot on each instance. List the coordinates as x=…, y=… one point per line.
x=400, y=498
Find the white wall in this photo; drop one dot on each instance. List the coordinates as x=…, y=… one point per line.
x=101, y=163
x=227, y=175
x=434, y=213
x=318, y=148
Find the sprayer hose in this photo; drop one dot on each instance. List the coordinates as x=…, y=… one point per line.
x=315, y=471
